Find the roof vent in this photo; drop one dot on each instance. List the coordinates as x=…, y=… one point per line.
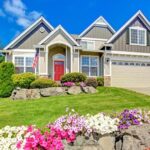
x=42, y=29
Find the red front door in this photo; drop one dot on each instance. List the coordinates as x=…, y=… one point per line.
x=58, y=70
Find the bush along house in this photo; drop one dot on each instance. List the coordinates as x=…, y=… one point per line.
x=122, y=57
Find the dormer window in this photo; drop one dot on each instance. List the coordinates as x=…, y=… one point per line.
x=88, y=45
x=138, y=36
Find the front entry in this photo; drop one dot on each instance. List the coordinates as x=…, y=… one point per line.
x=58, y=69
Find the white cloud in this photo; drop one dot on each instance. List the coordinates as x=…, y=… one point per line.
x=2, y=14
x=24, y=22
x=18, y=10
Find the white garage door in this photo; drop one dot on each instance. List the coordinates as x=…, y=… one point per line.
x=130, y=74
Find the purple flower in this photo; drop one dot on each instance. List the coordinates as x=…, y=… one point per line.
x=68, y=84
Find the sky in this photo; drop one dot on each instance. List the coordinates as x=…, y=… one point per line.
x=73, y=15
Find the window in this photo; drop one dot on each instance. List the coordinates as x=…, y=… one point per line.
x=89, y=65
x=89, y=45
x=24, y=64
x=137, y=36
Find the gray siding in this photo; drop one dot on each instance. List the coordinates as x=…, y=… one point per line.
x=33, y=38
x=99, y=32
x=122, y=44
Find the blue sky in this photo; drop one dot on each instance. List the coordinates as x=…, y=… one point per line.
x=73, y=15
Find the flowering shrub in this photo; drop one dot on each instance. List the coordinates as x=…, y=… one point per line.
x=67, y=127
x=9, y=136
x=72, y=122
x=102, y=124
x=68, y=84
x=133, y=117
x=130, y=117
x=34, y=139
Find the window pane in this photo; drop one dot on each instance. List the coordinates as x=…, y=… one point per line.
x=85, y=61
x=19, y=61
x=29, y=61
x=30, y=69
x=94, y=61
x=19, y=69
x=85, y=70
x=142, y=37
x=134, y=36
x=93, y=71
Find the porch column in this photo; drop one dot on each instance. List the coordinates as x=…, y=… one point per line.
x=107, y=70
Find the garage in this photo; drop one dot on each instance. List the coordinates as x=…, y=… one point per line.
x=130, y=74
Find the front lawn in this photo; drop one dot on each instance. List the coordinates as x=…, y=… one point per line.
x=44, y=110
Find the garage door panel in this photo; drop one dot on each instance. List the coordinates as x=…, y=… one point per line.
x=130, y=76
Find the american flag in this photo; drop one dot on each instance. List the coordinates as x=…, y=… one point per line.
x=36, y=58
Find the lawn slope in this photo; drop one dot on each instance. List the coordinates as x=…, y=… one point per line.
x=44, y=110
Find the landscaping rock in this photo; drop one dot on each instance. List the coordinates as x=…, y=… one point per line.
x=89, y=89
x=107, y=143
x=24, y=94
x=74, y=90
x=19, y=94
x=53, y=91
x=136, y=135
x=33, y=94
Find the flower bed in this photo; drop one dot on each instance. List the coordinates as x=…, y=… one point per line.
x=68, y=128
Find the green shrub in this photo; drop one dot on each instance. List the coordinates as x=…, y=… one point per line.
x=100, y=81
x=73, y=77
x=6, y=85
x=23, y=80
x=91, y=82
x=43, y=83
x=2, y=59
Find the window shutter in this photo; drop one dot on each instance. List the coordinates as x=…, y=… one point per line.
x=128, y=36
x=148, y=38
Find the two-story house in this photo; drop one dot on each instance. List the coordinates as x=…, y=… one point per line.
x=122, y=57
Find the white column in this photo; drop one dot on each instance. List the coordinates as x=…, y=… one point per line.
x=66, y=59
x=46, y=59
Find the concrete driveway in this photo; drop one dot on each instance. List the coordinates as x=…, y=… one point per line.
x=143, y=90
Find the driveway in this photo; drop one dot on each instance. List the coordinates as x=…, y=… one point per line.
x=143, y=90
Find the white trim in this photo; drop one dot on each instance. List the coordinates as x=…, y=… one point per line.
x=39, y=64
x=24, y=50
x=93, y=39
x=6, y=57
x=54, y=31
x=58, y=42
x=89, y=64
x=127, y=23
x=138, y=29
x=66, y=60
x=53, y=75
x=46, y=59
x=28, y=29
x=95, y=23
x=24, y=57
x=127, y=53
x=71, y=53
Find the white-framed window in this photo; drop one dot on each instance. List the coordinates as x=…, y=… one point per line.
x=138, y=36
x=88, y=45
x=23, y=64
x=89, y=65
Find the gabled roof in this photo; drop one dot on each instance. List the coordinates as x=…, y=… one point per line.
x=98, y=22
x=32, y=26
x=54, y=31
x=138, y=14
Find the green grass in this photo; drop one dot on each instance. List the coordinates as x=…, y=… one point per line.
x=44, y=110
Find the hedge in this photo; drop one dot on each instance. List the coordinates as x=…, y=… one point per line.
x=23, y=80
x=43, y=83
x=6, y=85
x=73, y=77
